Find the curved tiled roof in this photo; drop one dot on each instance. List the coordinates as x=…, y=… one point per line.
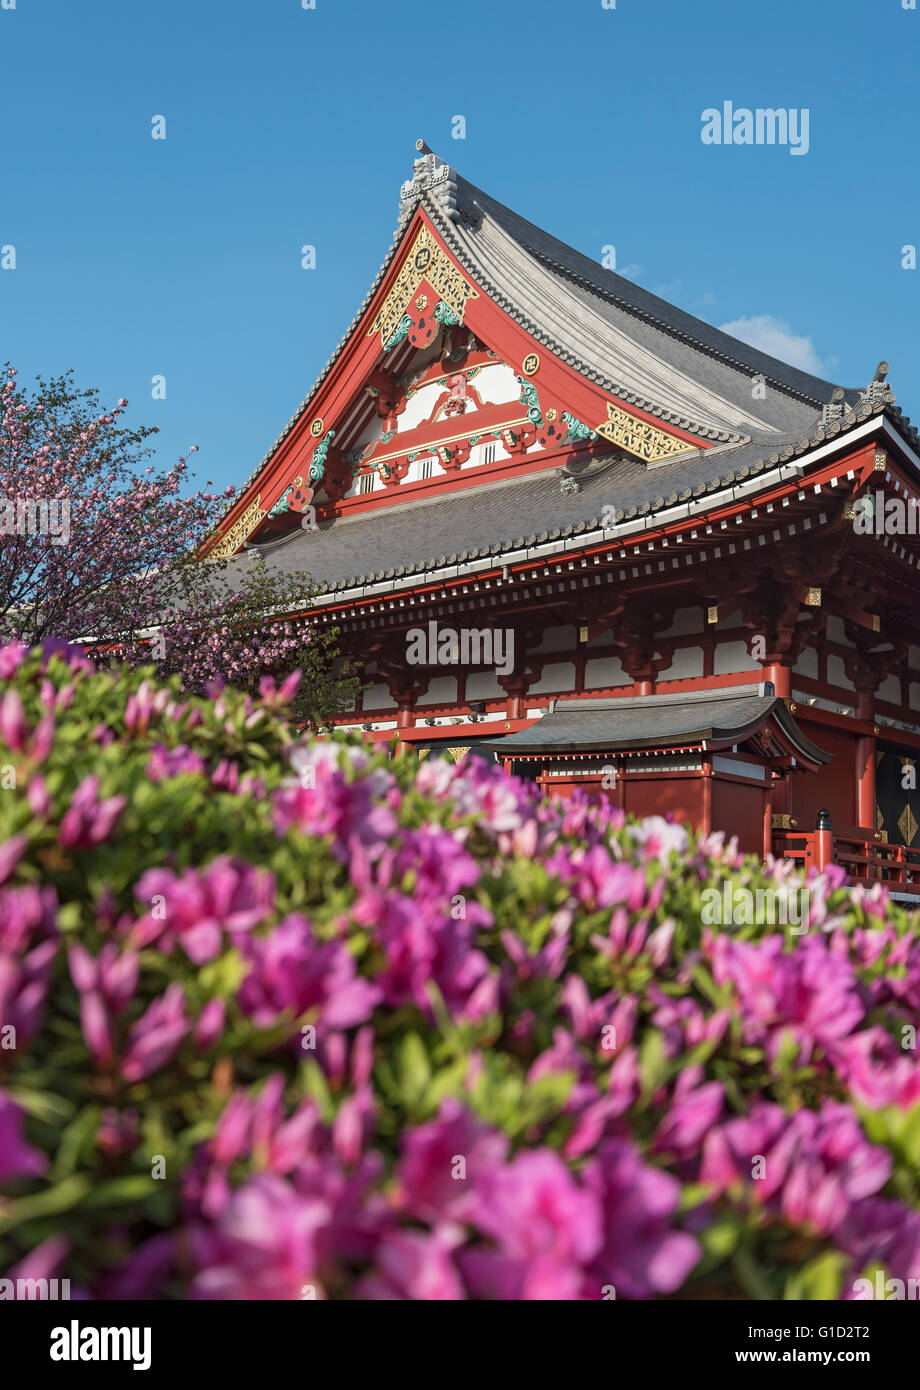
x=494, y=519
x=715, y=718
x=634, y=345
x=476, y=224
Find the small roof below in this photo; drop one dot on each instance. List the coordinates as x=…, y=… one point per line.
x=714, y=718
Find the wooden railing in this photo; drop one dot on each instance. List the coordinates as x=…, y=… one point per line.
x=866, y=857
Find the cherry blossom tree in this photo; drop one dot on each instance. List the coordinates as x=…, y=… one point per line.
x=100, y=547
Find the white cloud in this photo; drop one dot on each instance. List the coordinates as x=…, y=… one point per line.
x=771, y=335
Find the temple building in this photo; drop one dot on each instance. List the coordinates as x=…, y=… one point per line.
x=563, y=522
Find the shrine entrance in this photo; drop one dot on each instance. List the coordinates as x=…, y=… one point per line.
x=897, y=800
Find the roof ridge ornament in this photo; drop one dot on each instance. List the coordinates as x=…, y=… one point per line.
x=836, y=411
x=878, y=393
x=430, y=175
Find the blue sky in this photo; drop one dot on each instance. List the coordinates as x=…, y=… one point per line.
x=180, y=257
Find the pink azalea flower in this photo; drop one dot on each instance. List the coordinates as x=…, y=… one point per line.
x=13, y=723
x=88, y=822
x=156, y=1035
x=17, y=1157
x=292, y=971
x=264, y=1246
x=810, y=1166
x=196, y=907
x=11, y=851
x=642, y=1254
x=432, y=1184
x=416, y=1265
x=544, y=1227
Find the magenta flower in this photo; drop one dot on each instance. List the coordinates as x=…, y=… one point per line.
x=11, y=658
x=809, y=992
x=106, y=986
x=11, y=851
x=17, y=1157
x=144, y=705
x=13, y=723
x=691, y=1116
x=156, y=1035
x=196, y=907
x=264, y=1245
x=544, y=1227
x=118, y=1132
x=642, y=1255
x=497, y=802
x=345, y=801
x=28, y=947
x=811, y=1166
x=433, y=1186
x=172, y=762
x=88, y=822
x=294, y=972
x=24, y=911
x=210, y=1024
x=416, y=1265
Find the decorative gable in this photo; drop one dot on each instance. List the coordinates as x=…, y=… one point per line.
x=429, y=292
x=436, y=387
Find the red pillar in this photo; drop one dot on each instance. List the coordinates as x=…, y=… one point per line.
x=865, y=765
x=781, y=677
x=768, y=818
x=824, y=840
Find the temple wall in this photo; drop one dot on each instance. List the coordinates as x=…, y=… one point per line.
x=834, y=787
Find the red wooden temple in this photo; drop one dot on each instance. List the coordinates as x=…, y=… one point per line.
x=565, y=523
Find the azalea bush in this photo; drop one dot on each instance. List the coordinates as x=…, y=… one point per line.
x=283, y=1019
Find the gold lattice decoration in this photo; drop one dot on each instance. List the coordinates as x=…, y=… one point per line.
x=907, y=825
x=640, y=438
x=239, y=531
x=425, y=261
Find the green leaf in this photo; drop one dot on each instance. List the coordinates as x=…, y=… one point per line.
x=653, y=1064
x=51, y=1202
x=223, y=977
x=414, y=1068
x=76, y=1137
x=53, y=1110
x=721, y=1238
x=116, y=1191
x=819, y=1280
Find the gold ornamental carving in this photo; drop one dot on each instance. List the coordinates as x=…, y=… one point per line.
x=239, y=531
x=425, y=261
x=907, y=824
x=639, y=437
